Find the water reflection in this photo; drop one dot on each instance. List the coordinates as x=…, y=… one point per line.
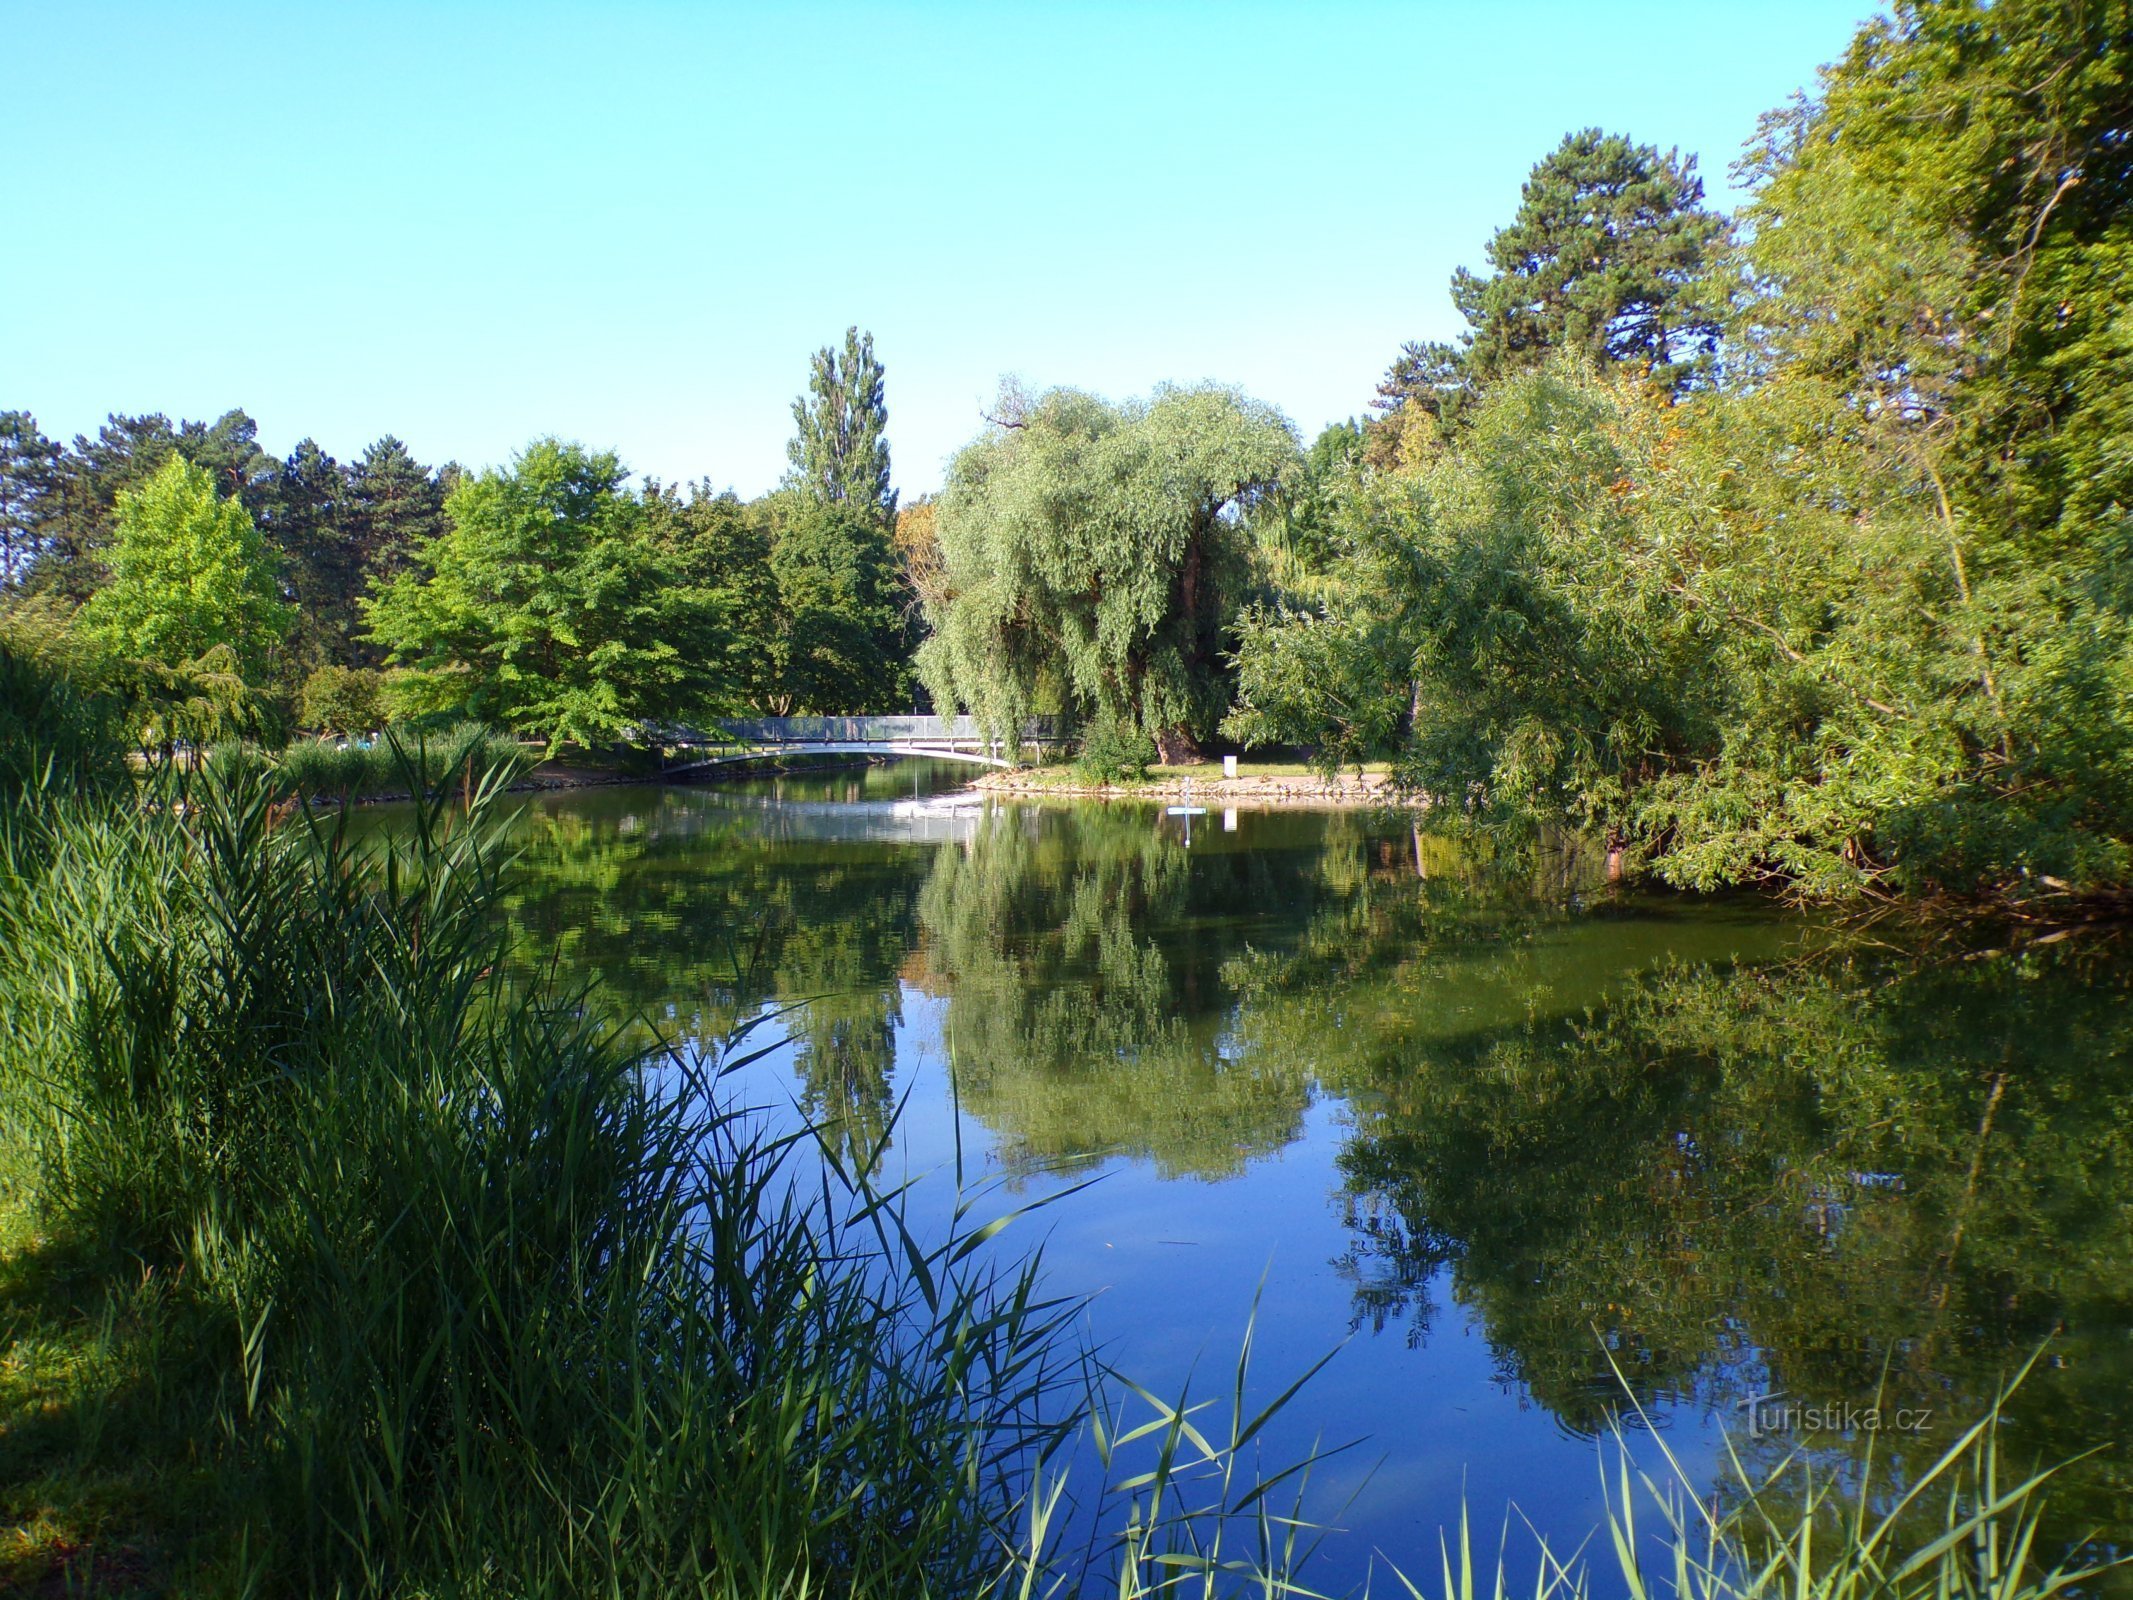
x=1736, y=1153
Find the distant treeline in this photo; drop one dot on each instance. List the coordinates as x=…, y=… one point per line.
x=220, y=590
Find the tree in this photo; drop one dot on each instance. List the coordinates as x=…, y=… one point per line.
x=190, y=574
x=842, y=648
x=548, y=606
x=307, y=520
x=1432, y=378
x=1092, y=560
x=29, y=470
x=722, y=545
x=1606, y=256
x=344, y=699
x=393, y=506
x=839, y=450
x=77, y=516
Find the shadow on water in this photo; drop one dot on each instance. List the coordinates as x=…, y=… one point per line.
x=1499, y=1122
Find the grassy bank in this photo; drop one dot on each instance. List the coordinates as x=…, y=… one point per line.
x=339, y=1260
x=355, y=1268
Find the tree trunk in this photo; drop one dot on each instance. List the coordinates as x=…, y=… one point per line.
x=1176, y=746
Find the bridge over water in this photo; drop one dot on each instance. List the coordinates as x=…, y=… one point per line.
x=737, y=739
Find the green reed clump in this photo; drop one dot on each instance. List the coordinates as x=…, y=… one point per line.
x=451, y=1292
x=1963, y=1526
x=402, y=761
x=56, y=734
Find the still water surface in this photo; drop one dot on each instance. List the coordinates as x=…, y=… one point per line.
x=1494, y=1133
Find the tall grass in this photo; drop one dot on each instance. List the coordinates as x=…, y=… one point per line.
x=401, y=762
x=466, y=1297
x=1964, y=1526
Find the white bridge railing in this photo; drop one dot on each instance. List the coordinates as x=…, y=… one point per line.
x=943, y=731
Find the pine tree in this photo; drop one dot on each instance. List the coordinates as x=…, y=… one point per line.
x=307, y=520
x=1606, y=254
x=839, y=451
x=29, y=469
x=395, y=505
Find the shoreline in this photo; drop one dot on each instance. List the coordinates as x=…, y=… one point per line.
x=1259, y=791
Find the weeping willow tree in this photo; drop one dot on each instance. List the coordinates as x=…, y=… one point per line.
x=1092, y=558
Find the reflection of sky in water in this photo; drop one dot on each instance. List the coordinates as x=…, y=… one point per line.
x=1170, y=1268
x=1028, y=942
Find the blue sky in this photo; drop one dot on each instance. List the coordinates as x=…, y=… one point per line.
x=630, y=223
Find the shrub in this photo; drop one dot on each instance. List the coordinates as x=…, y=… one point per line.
x=1112, y=749
x=344, y=700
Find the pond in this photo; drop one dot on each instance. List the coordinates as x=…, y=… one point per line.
x=1503, y=1139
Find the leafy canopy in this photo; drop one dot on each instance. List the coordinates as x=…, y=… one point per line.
x=1091, y=558
x=547, y=606
x=1855, y=611
x=190, y=575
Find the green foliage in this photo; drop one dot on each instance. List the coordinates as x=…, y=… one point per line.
x=400, y=761
x=344, y=699
x=549, y=607
x=73, y=500
x=1606, y=257
x=840, y=644
x=1111, y=750
x=57, y=734
x=1856, y=613
x=29, y=472
x=448, y=1300
x=190, y=576
x=1093, y=557
x=839, y=449
x=393, y=505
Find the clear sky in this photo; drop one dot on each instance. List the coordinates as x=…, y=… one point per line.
x=629, y=223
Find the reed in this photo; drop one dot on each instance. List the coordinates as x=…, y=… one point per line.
x=402, y=761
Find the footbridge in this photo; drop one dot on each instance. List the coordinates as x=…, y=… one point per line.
x=737, y=739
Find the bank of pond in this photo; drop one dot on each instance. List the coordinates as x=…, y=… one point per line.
x=833, y=1183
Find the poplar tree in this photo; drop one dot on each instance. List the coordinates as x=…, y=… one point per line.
x=842, y=646
x=840, y=449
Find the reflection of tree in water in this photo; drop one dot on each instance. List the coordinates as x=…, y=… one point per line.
x=678, y=914
x=1083, y=955
x=845, y=1052
x=1841, y=1178
x=1743, y=1172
